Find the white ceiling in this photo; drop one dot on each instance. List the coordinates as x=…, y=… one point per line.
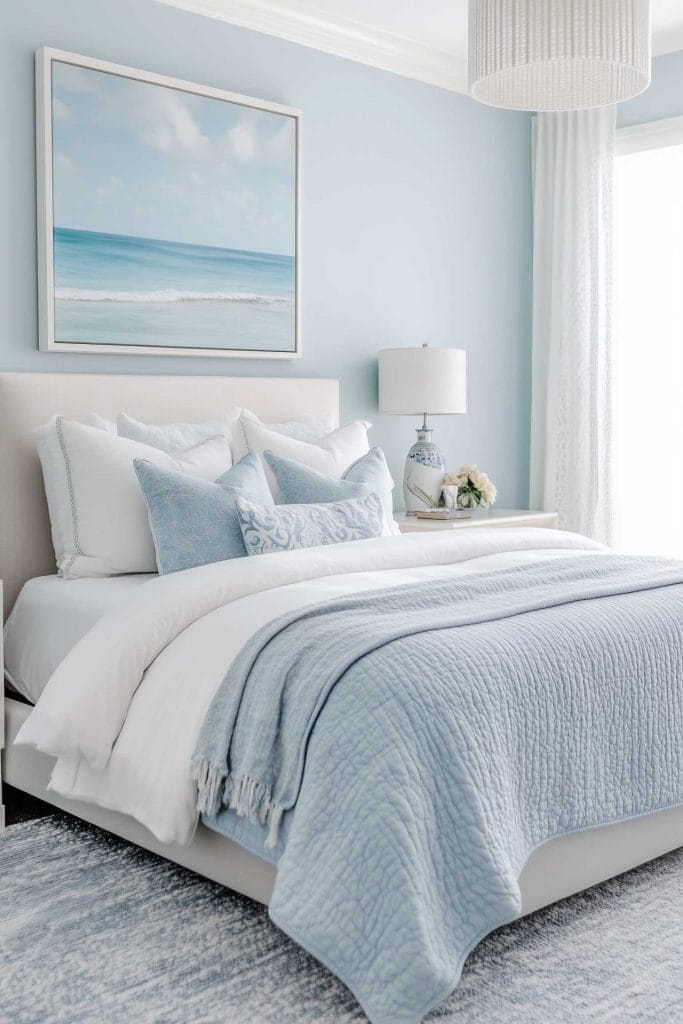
x=425, y=39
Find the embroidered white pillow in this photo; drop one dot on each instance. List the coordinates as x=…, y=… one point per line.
x=303, y=428
x=268, y=528
x=175, y=437
x=331, y=454
x=97, y=512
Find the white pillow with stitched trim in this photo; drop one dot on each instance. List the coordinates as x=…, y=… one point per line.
x=98, y=515
x=304, y=428
x=332, y=454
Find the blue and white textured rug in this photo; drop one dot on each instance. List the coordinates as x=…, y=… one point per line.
x=95, y=931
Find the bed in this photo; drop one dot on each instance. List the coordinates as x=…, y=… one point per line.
x=28, y=400
x=553, y=871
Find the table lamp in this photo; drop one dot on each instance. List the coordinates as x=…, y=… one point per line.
x=428, y=382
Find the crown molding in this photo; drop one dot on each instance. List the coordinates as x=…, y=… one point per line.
x=300, y=22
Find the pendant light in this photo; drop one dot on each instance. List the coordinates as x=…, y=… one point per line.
x=558, y=54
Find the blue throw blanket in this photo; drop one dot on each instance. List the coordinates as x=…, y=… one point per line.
x=422, y=740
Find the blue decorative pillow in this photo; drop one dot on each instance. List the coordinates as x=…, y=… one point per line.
x=193, y=521
x=297, y=484
x=286, y=527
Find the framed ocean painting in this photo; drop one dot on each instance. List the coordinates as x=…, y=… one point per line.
x=168, y=215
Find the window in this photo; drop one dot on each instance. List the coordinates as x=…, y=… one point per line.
x=648, y=338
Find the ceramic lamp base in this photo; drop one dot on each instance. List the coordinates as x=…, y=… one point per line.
x=423, y=475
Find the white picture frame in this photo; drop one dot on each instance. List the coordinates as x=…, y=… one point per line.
x=52, y=338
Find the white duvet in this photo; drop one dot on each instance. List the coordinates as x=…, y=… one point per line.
x=123, y=711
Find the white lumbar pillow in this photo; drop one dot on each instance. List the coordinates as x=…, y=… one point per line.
x=304, y=428
x=175, y=437
x=97, y=512
x=332, y=454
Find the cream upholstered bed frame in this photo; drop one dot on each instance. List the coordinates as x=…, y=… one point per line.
x=555, y=870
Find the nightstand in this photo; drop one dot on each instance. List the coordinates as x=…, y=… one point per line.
x=498, y=517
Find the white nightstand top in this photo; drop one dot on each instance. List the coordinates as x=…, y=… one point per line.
x=481, y=517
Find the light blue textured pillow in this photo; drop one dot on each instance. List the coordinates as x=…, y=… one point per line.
x=298, y=484
x=286, y=527
x=193, y=521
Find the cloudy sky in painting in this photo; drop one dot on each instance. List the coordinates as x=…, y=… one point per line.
x=133, y=158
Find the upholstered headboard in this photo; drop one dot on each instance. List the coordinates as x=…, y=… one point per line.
x=29, y=399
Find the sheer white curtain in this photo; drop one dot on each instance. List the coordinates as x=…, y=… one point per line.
x=572, y=406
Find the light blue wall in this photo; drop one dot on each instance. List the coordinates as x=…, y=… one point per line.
x=664, y=97
x=416, y=217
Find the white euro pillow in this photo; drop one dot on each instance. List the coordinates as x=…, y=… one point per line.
x=304, y=428
x=332, y=454
x=175, y=437
x=97, y=512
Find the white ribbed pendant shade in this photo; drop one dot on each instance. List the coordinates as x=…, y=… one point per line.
x=558, y=54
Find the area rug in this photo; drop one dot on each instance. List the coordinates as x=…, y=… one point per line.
x=94, y=930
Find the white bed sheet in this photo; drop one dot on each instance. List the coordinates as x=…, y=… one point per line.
x=50, y=616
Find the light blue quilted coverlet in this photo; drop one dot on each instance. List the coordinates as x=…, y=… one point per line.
x=399, y=754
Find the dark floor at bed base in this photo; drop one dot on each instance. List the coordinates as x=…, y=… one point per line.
x=22, y=807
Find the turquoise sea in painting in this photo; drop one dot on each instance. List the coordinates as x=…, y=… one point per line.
x=121, y=290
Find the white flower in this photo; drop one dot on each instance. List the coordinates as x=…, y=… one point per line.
x=488, y=492
x=488, y=499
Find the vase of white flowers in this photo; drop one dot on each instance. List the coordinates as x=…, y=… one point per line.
x=474, y=487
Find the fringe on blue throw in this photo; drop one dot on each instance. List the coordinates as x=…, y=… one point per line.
x=219, y=789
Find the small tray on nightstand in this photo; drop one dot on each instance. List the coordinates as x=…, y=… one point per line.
x=497, y=517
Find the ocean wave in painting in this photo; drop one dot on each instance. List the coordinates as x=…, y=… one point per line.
x=166, y=295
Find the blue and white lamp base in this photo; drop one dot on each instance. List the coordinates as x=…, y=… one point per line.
x=423, y=475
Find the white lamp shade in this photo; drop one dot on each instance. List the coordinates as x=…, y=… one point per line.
x=423, y=380
x=558, y=54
